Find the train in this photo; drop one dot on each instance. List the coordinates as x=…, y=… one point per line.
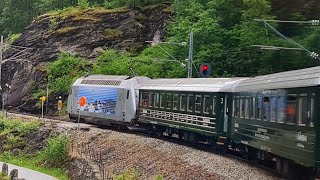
x=272, y=119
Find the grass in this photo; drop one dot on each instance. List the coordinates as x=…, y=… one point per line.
x=55, y=154
x=22, y=127
x=77, y=12
x=30, y=162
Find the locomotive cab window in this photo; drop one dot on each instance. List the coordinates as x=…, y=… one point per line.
x=198, y=103
x=183, y=102
x=291, y=109
x=206, y=104
x=190, y=102
x=175, y=101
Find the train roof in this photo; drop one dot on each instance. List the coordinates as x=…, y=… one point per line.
x=290, y=79
x=192, y=84
x=107, y=80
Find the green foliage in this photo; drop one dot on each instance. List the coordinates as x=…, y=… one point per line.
x=12, y=38
x=83, y=4
x=53, y=23
x=132, y=174
x=31, y=162
x=159, y=177
x=3, y=176
x=22, y=127
x=63, y=72
x=113, y=63
x=13, y=142
x=55, y=154
x=15, y=130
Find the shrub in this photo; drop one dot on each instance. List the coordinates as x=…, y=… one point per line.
x=55, y=154
x=12, y=38
x=8, y=125
x=63, y=72
x=83, y=4
x=132, y=174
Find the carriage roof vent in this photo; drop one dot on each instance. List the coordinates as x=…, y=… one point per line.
x=101, y=82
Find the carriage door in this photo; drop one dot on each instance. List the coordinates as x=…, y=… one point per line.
x=225, y=114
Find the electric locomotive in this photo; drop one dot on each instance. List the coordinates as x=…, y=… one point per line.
x=111, y=100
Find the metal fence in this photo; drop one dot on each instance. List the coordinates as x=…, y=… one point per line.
x=85, y=151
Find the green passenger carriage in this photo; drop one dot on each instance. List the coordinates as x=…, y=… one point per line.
x=192, y=108
x=276, y=117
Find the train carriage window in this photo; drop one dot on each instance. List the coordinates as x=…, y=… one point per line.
x=156, y=100
x=198, y=103
x=273, y=109
x=281, y=109
x=214, y=101
x=311, y=117
x=206, y=104
x=303, y=110
x=252, y=107
x=175, y=101
x=236, y=107
x=266, y=108
x=144, y=100
x=190, y=102
x=259, y=107
x=162, y=100
x=242, y=108
x=291, y=109
x=183, y=102
x=246, y=108
x=169, y=100
x=151, y=98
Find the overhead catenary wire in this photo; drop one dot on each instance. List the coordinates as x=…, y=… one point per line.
x=287, y=38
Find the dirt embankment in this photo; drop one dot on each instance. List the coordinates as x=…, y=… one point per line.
x=96, y=150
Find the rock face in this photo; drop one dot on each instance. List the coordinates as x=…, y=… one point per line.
x=80, y=32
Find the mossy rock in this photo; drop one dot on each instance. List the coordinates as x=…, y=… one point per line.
x=65, y=30
x=112, y=34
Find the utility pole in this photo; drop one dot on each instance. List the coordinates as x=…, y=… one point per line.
x=1, y=54
x=190, y=55
x=47, y=100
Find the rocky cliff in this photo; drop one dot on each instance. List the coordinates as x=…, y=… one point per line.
x=82, y=32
